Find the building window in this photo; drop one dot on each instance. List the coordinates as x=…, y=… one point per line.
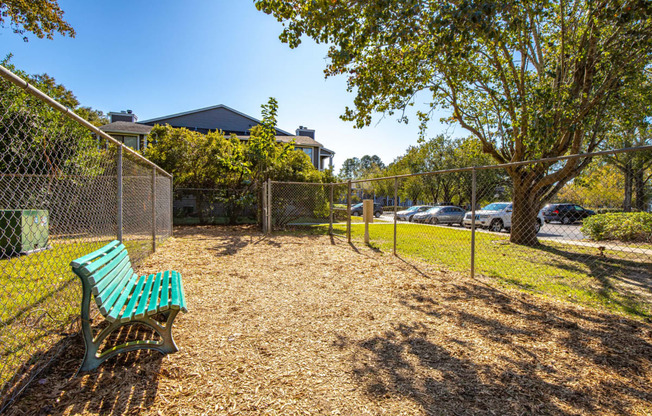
x=132, y=141
x=308, y=151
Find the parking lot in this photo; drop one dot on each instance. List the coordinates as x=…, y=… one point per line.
x=553, y=231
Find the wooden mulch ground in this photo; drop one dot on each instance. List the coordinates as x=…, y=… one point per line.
x=311, y=325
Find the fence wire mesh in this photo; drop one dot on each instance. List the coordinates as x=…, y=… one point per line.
x=59, y=200
x=300, y=204
x=587, y=239
x=214, y=206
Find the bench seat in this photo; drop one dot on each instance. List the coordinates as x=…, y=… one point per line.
x=123, y=297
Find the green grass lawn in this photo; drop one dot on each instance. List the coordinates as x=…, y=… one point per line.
x=573, y=273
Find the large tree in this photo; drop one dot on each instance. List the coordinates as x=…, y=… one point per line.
x=528, y=79
x=365, y=167
x=41, y=17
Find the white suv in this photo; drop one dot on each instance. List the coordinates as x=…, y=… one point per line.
x=496, y=216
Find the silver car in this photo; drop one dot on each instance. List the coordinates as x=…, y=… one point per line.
x=407, y=214
x=447, y=214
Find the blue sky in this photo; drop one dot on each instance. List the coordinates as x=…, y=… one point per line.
x=165, y=57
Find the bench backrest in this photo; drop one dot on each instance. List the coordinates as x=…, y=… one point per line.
x=107, y=271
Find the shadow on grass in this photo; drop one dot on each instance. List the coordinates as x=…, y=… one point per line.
x=453, y=374
x=630, y=276
x=125, y=384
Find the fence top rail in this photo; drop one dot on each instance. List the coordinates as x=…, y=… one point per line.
x=309, y=183
x=506, y=165
x=21, y=83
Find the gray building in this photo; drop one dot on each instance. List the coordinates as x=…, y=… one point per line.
x=125, y=127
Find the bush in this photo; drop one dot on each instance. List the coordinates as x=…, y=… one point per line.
x=622, y=226
x=339, y=214
x=607, y=210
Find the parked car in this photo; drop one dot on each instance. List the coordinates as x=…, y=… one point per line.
x=424, y=216
x=441, y=215
x=357, y=210
x=496, y=217
x=565, y=213
x=407, y=214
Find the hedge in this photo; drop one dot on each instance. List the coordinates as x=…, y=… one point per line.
x=622, y=226
x=611, y=210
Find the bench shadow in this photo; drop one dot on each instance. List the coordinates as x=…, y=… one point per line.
x=450, y=375
x=124, y=384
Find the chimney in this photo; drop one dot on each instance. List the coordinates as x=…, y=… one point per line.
x=123, y=115
x=305, y=131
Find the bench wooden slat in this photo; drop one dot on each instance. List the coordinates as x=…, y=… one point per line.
x=122, y=300
x=164, y=304
x=130, y=310
x=109, y=272
x=104, y=271
x=109, y=283
x=153, y=297
x=175, y=300
x=93, y=267
x=142, y=303
x=182, y=295
x=117, y=289
x=95, y=254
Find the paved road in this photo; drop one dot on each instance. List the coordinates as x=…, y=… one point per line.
x=552, y=231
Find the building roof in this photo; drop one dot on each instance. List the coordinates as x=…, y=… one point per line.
x=327, y=152
x=298, y=140
x=126, y=127
x=199, y=110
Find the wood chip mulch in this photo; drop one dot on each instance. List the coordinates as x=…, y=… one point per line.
x=290, y=325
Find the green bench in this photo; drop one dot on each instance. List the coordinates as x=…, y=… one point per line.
x=125, y=298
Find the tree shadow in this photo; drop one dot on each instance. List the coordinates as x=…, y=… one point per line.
x=229, y=246
x=630, y=276
x=490, y=360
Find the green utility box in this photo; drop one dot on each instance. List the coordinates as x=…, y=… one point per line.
x=23, y=231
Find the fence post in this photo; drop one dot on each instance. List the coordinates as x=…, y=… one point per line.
x=348, y=212
x=263, y=209
x=171, y=205
x=395, y=210
x=153, y=209
x=269, y=206
x=119, y=177
x=473, y=198
x=330, y=213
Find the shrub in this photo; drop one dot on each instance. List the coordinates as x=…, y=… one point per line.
x=607, y=210
x=339, y=214
x=622, y=226
x=611, y=210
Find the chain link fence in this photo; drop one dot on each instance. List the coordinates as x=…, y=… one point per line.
x=207, y=206
x=587, y=239
x=66, y=189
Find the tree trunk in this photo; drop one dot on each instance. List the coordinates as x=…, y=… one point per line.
x=629, y=178
x=639, y=187
x=524, y=215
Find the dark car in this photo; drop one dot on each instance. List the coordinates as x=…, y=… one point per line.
x=565, y=213
x=357, y=210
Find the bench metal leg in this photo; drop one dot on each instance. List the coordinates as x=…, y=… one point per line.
x=92, y=357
